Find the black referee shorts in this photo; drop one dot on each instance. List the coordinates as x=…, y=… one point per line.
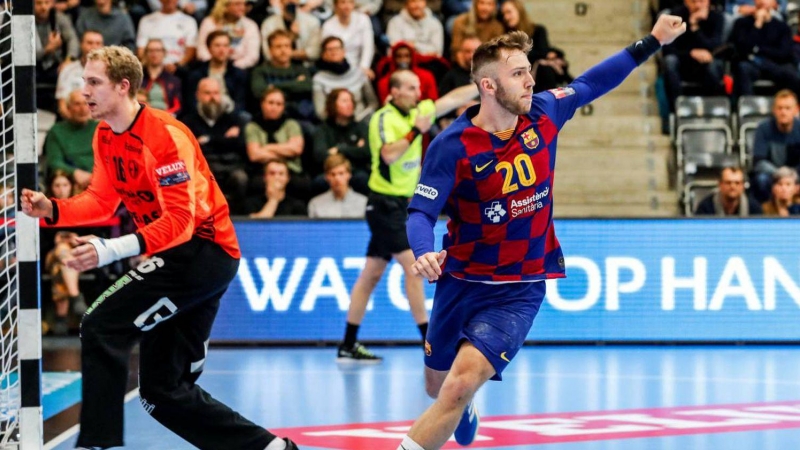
x=386, y=217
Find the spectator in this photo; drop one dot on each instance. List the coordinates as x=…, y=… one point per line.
x=550, y=69
x=71, y=76
x=176, y=30
x=730, y=198
x=293, y=78
x=336, y=72
x=763, y=50
x=113, y=23
x=417, y=25
x=776, y=143
x=784, y=190
x=392, y=8
x=741, y=8
x=68, y=148
x=271, y=135
x=163, y=89
x=195, y=8
x=405, y=58
x=275, y=200
x=459, y=74
x=354, y=29
x=340, y=201
x=341, y=134
x=690, y=57
x=220, y=134
x=233, y=80
x=64, y=286
x=56, y=41
x=228, y=16
x=304, y=27
x=480, y=21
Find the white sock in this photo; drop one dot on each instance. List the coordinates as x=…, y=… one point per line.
x=409, y=444
x=276, y=444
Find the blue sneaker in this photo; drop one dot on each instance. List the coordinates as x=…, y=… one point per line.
x=467, y=428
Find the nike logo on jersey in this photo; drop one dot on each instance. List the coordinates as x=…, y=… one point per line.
x=480, y=168
x=504, y=357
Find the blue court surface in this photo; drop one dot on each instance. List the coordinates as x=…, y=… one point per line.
x=552, y=398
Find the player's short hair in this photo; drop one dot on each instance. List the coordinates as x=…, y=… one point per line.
x=279, y=33
x=491, y=51
x=121, y=64
x=330, y=101
x=785, y=93
x=781, y=173
x=214, y=35
x=398, y=76
x=336, y=160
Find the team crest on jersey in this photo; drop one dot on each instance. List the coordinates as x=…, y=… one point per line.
x=562, y=92
x=172, y=174
x=530, y=139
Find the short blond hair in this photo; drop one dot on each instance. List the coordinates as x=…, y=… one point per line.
x=121, y=64
x=492, y=51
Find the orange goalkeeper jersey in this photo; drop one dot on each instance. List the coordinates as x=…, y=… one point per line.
x=157, y=170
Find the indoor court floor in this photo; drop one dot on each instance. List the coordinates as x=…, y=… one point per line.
x=552, y=398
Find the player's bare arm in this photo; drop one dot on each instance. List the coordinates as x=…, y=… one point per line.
x=455, y=99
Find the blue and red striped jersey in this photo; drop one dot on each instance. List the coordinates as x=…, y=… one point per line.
x=498, y=193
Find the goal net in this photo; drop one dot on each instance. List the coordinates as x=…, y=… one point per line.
x=20, y=317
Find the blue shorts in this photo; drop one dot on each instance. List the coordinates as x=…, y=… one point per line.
x=495, y=318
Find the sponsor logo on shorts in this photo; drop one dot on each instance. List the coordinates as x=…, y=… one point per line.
x=428, y=349
x=426, y=191
x=504, y=357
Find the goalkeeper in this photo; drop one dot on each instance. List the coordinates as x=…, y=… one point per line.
x=153, y=164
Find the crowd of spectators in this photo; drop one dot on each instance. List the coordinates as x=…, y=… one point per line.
x=279, y=93
x=738, y=48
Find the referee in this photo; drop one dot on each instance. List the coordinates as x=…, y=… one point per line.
x=395, y=141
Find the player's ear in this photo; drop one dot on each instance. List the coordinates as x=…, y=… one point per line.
x=487, y=84
x=124, y=86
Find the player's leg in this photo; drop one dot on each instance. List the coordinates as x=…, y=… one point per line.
x=379, y=252
x=350, y=350
x=470, y=371
x=172, y=358
x=415, y=291
x=108, y=332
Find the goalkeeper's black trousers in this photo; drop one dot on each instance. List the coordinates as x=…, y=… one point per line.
x=167, y=304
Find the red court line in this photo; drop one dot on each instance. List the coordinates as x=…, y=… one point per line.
x=538, y=429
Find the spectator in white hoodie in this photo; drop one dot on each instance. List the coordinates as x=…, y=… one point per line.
x=417, y=25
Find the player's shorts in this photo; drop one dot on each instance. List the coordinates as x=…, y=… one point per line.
x=386, y=217
x=495, y=318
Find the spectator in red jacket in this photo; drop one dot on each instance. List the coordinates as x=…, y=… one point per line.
x=403, y=56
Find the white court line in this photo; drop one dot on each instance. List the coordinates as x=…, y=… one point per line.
x=73, y=430
x=507, y=375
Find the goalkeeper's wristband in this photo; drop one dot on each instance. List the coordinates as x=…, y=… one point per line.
x=644, y=48
x=110, y=250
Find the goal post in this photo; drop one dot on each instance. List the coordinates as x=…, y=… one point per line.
x=25, y=175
